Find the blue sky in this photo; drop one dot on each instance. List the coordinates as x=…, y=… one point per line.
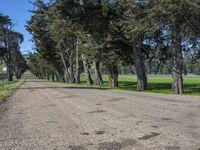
x=18, y=10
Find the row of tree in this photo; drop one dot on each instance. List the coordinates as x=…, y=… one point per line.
x=10, y=54
x=95, y=34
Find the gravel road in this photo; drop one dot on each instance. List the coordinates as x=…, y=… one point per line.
x=52, y=116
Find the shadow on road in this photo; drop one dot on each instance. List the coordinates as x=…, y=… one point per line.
x=71, y=87
x=36, y=81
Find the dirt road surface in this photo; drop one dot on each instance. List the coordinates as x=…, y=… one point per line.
x=52, y=116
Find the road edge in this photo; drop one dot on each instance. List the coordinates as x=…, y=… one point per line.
x=4, y=99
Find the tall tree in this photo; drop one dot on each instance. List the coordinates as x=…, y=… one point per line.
x=182, y=18
x=9, y=43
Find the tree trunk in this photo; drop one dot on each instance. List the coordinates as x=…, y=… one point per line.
x=77, y=76
x=10, y=75
x=18, y=73
x=113, y=76
x=59, y=77
x=52, y=77
x=71, y=73
x=87, y=72
x=9, y=68
x=139, y=64
x=66, y=74
x=98, y=80
x=177, y=63
x=48, y=77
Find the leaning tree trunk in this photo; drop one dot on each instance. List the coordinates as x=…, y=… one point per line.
x=113, y=76
x=98, y=80
x=87, y=72
x=66, y=74
x=139, y=64
x=177, y=63
x=77, y=76
x=59, y=77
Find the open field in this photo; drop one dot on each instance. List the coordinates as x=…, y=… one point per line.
x=7, y=88
x=156, y=83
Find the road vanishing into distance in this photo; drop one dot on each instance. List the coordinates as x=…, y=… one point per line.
x=53, y=116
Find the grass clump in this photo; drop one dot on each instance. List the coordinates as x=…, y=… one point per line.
x=7, y=88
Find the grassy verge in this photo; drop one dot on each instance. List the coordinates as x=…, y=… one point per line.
x=156, y=84
x=7, y=88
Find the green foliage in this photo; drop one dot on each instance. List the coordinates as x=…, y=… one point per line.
x=151, y=36
x=10, y=54
x=39, y=66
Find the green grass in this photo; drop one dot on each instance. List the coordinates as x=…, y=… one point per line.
x=156, y=84
x=7, y=88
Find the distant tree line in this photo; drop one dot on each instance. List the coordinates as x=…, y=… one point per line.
x=153, y=36
x=10, y=54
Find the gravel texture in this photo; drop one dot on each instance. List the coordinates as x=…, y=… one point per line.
x=52, y=116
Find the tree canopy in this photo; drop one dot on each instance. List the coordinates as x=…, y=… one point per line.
x=102, y=36
x=10, y=41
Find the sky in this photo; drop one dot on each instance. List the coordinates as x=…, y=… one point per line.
x=18, y=10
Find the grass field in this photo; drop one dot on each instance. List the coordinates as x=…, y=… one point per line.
x=156, y=83
x=7, y=88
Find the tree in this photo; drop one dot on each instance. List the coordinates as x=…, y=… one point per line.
x=9, y=44
x=45, y=45
x=19, y=64
x=181, y=17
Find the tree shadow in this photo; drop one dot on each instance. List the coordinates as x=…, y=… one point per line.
x=189, y=88
x=68, y=87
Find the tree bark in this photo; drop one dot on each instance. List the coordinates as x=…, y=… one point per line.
x=177, y=63
x=66, y=74
x=77, y=76
x=9, y=67
x=18, y=73
x=87, y=72
x=113, y=76
x=10, y=76
x=71, y=73
x=98, y=80
x=139, y=64
x=59, y=77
